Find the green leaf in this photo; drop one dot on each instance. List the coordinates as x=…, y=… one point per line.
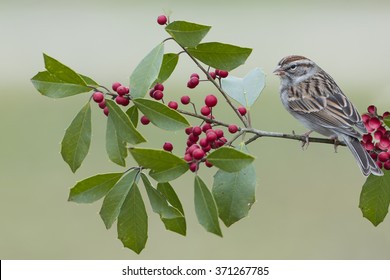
x=245, y=90
x=114, y=200
x=229, y=159
x=93, y=188
x=387, y=121
x=115, y=145
x=89, y=80
x=205, y=208
x=170, y=216
x=187, y=34
x=123, y=125
x=132, y=113
x=169, y=193
x=59, y=80
x=167, y=67
x=220, y=56
x=375, y=198
x=234, y=193
x=161, y=115
x=164, y=165
x=133, y=221
x=77, y=139
x=146, y=72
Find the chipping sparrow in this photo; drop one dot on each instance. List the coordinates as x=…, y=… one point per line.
x=313, y=97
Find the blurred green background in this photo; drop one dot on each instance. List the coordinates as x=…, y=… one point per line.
x=307, y=201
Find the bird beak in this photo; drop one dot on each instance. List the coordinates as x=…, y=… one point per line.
x=278, y=71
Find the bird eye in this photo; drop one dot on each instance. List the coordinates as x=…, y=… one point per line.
x=293, y=67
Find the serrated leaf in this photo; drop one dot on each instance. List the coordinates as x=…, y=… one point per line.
x=146, y=72
x=220, y=56
x=170, y=216
x=161, y=115
x=234, y=193
x=132, y=223
x=167, y=67
x=114, y=200
x=205, y=207
x=163, y=164
x=132, y=113
x=77, y=139
x=123, y=125
x=187, y=34
x=115, y=145
x=375, y=198
x=59, y=80
x=245, y=90
x=229, y=159
x=93, y=188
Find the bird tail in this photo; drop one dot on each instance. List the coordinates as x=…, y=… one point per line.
x=364, y=160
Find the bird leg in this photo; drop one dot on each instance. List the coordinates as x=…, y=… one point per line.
x=336, y=143
x=305, y=139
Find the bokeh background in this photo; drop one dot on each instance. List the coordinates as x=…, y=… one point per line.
x=307, y=201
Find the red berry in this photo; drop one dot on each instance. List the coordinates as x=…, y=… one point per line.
x=369, y=146
x=193, y=138
x=105, y=111
x=194, y=75
x=122, y=100
x=198, y=154
x=213, y=75
x=217, y=72
x=203, y=142
x=206, y=127
x=208, y=164
x=365, y=118
x=210, y=100
x=159, y=87
x=185, y=99
x=205, y=111
x=98, y=96
x=122, y=90
x=387, y=165
x=206, y=148
x=188, y=130
x=242, y=110
x=386, y=114
x=158, y=95
x=233, y=129
x=378, y=135
x=193, y=166
x=384, y=143
x=173, y=105
x=197, y=130
x=168, y=146
x=380, y=165
x=383, y=156
x=371, y=109
x=145, y=120
x=374, y=123
x=151, y=92
x=115, y=86
x=102, y=104
x=223, y=73
x=193, y=82
x=192, y=148
x=188, y=157
x=162, y=19
x=219, y=132
x=374, y=155
x=211, y=136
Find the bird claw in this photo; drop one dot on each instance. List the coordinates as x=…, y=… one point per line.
x=336, y=143
x=305, y=140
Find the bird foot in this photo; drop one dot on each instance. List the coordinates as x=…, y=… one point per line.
x=336, y=143
x=305, y=139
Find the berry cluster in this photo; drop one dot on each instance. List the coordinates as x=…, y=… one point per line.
x=122, y=97
x=377, y=140
x=194, y=80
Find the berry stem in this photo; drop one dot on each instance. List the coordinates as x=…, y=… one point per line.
x=215, y=83
x=206, y=119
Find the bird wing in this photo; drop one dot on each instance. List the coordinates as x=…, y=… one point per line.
x=321, y=101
